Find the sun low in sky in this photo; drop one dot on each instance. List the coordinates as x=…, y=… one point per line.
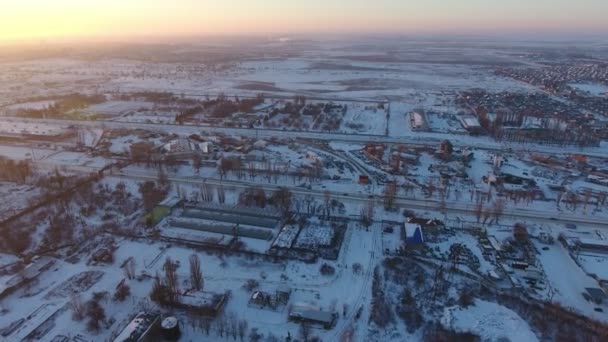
x=35, y=19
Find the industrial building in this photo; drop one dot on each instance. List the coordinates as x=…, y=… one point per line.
x=145, y=327
x=471, y=124
x=303, y=313
x=417, y=122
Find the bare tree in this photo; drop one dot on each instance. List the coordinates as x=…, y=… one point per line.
x=129, y=268
x=587, y=196
x=478, y=211
x=163, y=179
x=327, y=197
x=282, y=199
x=171, y=281
x=242, y=328
x=122, y=292
x=276, y=173
x=431, y=186
x=221, y=194
x=499, y=208
x=197, y=162
x=305, y=331
x=390, y=192
x=96, y=314
x=232, y=325
x=520, y=233
x=151, y=195
x=367, y=213
x=487, y=213
x=220, y=326
x=196, y=275
x=206, y=325
x=206, y=193
x=78, y=307
x=558, y=200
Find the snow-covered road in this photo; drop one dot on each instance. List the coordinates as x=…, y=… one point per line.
x=418, y=138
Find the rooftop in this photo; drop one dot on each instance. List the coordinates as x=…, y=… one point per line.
x=307, y=313
x=138, y=327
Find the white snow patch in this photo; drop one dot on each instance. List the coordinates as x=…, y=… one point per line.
x=490, y=321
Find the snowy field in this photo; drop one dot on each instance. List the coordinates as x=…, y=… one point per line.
x=116, y=108
x=568, y=280
x=594, y=263
x=492, y=322
x=380, y=90
x=593, y=89
x=24, y=153
x=15, y=198
x=31, y=105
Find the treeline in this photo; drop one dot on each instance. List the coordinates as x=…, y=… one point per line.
x=15, y=171
x=220, y=107
x=554, y=322
x=64, y=104
x=507, y=126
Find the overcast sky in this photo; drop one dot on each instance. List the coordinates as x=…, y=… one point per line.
x=121, y=18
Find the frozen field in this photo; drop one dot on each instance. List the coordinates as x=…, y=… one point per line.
x=492, y=322
x=568, y=280
x=15, y=198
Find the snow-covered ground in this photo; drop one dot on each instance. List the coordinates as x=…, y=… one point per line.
x=15, y=198
x=568, y=280
x=594, y=89
x=492, y=322
x=380, y=91
x=594, y=263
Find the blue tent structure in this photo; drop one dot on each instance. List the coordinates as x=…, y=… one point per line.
x=413, y=235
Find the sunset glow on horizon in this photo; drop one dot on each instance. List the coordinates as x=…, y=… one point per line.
x=34, y=19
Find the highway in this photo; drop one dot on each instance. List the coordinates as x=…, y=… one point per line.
x=416, y=138
x=412, y=203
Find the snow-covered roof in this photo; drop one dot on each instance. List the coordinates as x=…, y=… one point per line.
x=307, y=313
x=170, y=202
x=169, y=323
x=593, y=242
x=470, y=122
x=200, y=299
x=138, y=327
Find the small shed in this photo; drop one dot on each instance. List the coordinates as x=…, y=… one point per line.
x=597, y=295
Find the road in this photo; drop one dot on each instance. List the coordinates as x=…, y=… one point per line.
x=424, y=204
x=349, y=320
x=418, y=138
